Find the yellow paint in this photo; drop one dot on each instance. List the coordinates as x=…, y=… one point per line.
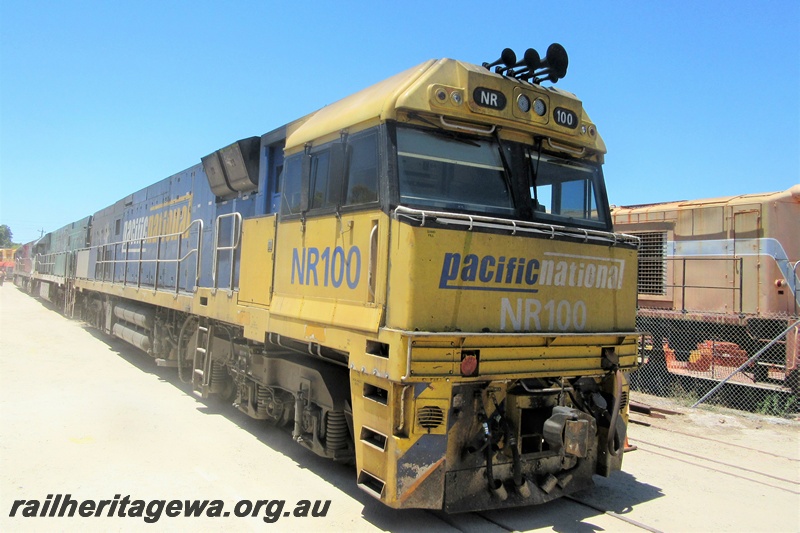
x=448, y=280
x=185, y=198
x=415, y=90
x=322, y=272
x=171, y=221
x=255, y=270
x=315, y=334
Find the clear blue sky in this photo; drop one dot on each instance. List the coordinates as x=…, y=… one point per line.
x=694, y=99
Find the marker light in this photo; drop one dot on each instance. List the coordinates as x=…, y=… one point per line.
x=469, y=362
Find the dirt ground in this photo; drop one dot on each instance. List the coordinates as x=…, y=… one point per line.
x=90, y=416
x=768, y=433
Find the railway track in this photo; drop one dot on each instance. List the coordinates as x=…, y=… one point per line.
x=717, y=441
x=612, y=514
x=497, y=522
x=692, y=455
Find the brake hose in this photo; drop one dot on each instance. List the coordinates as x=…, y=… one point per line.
x=612, y=429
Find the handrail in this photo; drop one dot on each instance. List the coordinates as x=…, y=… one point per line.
x=236, y=232
x=373, y=246
x=469, y=129
x=683, y=285
x=514, y=226
x=565, y=148
x=103, y=264
x=48, y=261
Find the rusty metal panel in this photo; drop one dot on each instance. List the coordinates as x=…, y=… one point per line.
x=709, y=221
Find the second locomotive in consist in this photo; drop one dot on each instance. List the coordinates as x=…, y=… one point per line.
x=421, y=277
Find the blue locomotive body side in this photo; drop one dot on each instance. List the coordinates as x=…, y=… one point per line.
x=177, y=233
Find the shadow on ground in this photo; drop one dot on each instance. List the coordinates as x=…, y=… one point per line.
x=619, y=494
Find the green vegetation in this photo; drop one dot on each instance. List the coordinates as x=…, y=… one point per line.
x=777, y=404
x=5, y=237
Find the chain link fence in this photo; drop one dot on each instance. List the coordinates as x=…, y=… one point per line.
x=745, y=362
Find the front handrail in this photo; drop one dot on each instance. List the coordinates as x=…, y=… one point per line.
x=515, y=226
x=107, y=267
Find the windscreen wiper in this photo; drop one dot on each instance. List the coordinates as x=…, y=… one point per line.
x=534, y=169
x=506, y=167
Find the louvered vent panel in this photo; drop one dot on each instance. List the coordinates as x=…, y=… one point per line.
x=652, y=263
x=430, y=417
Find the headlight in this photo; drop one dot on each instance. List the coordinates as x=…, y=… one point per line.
x=523, y=103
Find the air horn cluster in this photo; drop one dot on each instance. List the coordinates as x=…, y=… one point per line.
x=531, y=67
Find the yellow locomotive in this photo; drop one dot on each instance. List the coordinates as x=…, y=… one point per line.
x=421, y=277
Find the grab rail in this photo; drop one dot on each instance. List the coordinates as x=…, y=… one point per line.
x=686, y=264
x=235, y=235
x=373, y=260
x=46, y=263
x=107, y=266
x=514, y=226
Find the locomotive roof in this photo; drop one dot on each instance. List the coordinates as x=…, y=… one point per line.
x=413, y=91
x=791, y=194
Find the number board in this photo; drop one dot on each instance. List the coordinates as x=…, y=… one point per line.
x=565, y=117
x=489, y=98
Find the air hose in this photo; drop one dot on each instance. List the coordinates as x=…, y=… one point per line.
x=613, y=434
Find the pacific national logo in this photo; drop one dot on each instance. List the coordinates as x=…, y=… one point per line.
x=524, y=274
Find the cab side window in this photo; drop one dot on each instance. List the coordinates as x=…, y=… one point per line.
x=291, y=185
x=323, y=193
x=331, y=176
x=362, y=175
